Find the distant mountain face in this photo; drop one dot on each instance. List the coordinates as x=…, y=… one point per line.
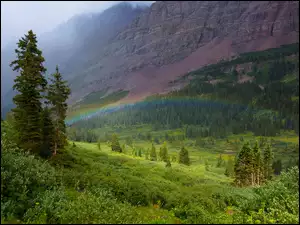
x=67, y=46
x=143, y=49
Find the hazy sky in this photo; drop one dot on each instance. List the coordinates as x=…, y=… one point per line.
x=17, y=17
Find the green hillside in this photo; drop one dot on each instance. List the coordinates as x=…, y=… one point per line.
x=86, y=184
x=224, y=149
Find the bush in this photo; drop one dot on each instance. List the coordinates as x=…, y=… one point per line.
x=23, y=178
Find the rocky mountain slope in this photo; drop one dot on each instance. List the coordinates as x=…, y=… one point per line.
x=154, y=46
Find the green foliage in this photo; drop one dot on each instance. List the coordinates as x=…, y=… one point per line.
x=183, y=156
x=30, y=85
x=153, y=156
x=229, y=171
x=277, y=166
x=268, y=161
x=58, y=93
x=251, y=168
x=99, y=145
x=115, y=145
x=163, y=153
x=220, y=162
x=168, y=163
x=48, y=131
x=23, y=178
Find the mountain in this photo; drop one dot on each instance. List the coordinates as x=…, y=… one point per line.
x=66, y=44
x=172, y=38
x=142, y=49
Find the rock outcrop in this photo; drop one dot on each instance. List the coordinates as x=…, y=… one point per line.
x=170, y=32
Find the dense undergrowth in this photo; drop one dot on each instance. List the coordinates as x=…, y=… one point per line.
x=85, y=185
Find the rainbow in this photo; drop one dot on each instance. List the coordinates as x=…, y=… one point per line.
x=156, y=102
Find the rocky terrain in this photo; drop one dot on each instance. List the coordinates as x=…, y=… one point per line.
x=154, y=46
x=172, y=38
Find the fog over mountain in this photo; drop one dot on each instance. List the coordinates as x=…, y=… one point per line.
x=63, y=36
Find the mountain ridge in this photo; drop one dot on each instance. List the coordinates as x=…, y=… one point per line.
x=165, y=41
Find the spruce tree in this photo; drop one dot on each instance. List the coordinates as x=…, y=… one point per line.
x=243, y=168
x=153, y=156
x=58, y=93
x=268, y=161
x=115, y=145
x=258, y=170
x=30, y=85
x=163, y=153
x=184, y=156
x=47, y=146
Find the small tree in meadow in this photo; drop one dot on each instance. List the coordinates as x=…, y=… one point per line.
x=184, y=156
x=163, y=153
x=153, y=156
x=115, y=145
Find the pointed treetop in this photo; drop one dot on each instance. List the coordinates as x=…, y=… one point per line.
x=57, y=71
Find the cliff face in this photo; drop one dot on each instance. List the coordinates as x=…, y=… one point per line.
x=143, y=49
x=171, y=38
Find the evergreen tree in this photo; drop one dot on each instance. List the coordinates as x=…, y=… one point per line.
x=58, y=93
x=163, y=153
x=257, y=164
x=244, y=166
x=115, y=145
x=153, y=156
x=268, y=161
x=184, y=156
x=47, y=146
x=30, y=85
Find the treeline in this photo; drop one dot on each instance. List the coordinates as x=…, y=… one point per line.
x=38, y=118
x=265, y=106
x=200, y=118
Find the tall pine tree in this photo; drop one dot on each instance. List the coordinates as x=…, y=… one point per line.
x=30, y=85
x=258, y=167
x=58, y=93
x=244, y=166
x=47, y=145
x=268, y=161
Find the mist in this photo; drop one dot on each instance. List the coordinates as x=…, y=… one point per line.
x=17, y=17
